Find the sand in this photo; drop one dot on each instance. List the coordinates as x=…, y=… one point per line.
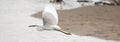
x=98, y=21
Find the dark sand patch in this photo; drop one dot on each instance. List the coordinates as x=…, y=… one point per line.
x=99, y=21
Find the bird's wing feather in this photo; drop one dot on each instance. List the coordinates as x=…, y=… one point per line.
x=49, y=15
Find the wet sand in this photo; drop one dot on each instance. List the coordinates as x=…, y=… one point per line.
x=98, y=21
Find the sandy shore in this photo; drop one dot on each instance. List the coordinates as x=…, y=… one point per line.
x=98, y=21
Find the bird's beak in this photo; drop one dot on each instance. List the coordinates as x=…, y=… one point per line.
x=33, y=26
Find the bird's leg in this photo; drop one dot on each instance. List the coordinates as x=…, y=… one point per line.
x=67, y=33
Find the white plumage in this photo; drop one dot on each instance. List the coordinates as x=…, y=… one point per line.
x=50, y=17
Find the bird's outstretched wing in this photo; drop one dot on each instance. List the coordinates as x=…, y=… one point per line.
x=49, y=15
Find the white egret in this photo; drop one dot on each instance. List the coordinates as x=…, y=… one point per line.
x=50, y=20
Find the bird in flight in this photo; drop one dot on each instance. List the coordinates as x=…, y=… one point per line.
x=50, y=20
